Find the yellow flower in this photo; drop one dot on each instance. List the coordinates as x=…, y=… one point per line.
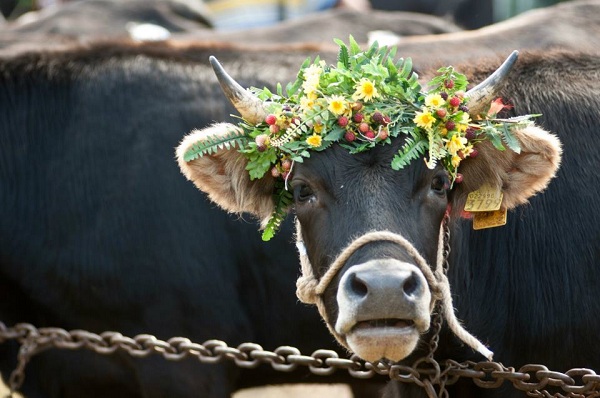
x=310, y=85
x=455, y=144
x=314, y=141
x=365, y=89
x=312, y=72
x=434, y=100
x=337, y=104
x=424, y=119
x=455, y=161
x=318, y=127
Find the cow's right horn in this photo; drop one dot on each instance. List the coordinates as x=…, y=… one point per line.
x=248, y=105
x=482, y=95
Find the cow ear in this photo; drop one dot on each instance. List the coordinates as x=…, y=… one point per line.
x=518, y=175
x=223, y=175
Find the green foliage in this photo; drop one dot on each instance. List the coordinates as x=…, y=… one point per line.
x=323, y=105
x=212, y=144
x=283, y=202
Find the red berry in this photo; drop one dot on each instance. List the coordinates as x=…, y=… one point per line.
x=377, y=117
x=459, y=178
x=370, y=134
x=271, y=119
x=363, y=127
x=383, y=134
x=474, y=153
x=350, y=136
x=454, y=101
x=274, y=128
x=441, y=112
x=449, y=83
x=358, y=117
x=470, y=133
x=357, y=106
x=275, y=173
x=444, y=95
x=285, y=175
x=286, y=164
x=261, y=140
x=450, y=125
x=464, y=108
x=386, y=120
x=342, y=121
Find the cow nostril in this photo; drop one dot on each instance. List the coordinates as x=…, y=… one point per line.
x=410, y=284
x=358, y=286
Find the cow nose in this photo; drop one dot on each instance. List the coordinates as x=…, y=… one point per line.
x=376, y=281
x=382, y=289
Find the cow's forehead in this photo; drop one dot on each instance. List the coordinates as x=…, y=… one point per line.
x=336, y=165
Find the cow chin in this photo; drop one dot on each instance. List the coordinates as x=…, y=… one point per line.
x=391, y=343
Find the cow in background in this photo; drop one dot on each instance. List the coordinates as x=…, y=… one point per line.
x=99, y=231
x=527, y=289
x=162, y=19
x=571, y=25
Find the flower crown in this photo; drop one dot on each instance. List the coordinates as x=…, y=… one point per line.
x=365, y=100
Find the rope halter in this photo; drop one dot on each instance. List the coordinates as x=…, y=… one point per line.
x=310, y=290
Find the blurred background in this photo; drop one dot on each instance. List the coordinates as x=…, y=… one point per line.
x=469, y=14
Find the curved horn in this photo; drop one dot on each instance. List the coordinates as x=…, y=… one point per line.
x=484, y=93
x=249, y=106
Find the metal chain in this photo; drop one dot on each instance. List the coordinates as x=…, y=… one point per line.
x=536, y=380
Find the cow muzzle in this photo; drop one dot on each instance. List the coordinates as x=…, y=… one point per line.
x=384, y=307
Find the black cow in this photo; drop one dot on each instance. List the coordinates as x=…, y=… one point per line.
x=527, y=289
x=100, y=232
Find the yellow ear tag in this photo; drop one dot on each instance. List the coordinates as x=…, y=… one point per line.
x=489, y=219
x=485, y=198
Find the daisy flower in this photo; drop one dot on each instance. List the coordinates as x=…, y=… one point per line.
x=365, y=89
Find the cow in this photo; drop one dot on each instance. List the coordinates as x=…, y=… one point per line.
x=372, y=237
x=569, y=25
x=99, y=232
x=110, y=19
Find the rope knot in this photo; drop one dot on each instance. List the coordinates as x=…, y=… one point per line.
x=306, y=287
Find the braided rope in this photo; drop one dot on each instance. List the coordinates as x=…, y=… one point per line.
x=310, y=290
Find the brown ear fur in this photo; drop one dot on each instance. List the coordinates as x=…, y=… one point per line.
x=223, y=176
x=520, y=176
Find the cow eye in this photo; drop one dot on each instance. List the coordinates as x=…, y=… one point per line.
x=303, y=193
x=440, y=184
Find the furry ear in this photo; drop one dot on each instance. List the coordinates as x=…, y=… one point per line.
x=518, y=175
x=223, y=175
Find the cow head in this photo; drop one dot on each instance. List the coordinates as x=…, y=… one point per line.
x=376, y=295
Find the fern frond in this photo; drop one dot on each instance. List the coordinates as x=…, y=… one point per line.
x=283, y=201
x=212, y=144
x=412, y=149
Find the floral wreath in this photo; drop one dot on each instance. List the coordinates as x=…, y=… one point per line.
x=365, y=100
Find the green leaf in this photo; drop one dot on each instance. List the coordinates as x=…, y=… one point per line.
x=510, y=139
x=354, y=47
x=283, y=201
x=411, y=150
x=494, y=137
x=212, y=144
x=406, y=68
x=343, y=57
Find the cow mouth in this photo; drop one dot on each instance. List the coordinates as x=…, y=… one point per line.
x=391, y=338
x=383, y=323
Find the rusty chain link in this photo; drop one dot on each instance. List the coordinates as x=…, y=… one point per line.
x=535, y=380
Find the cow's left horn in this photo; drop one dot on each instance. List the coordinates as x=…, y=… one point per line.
x=249, y=106
x=481, y=96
